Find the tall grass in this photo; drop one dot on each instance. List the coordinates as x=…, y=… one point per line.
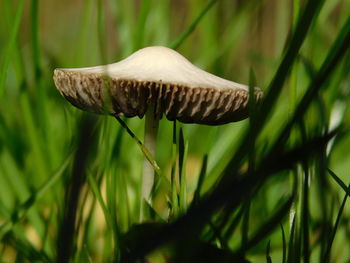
x=271, y=188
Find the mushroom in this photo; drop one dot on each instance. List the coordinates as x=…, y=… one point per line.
x=154, y=81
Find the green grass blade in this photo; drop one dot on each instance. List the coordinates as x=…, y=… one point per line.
x=201, y=178
x=144, y=150
x=177, y=42
x=336, y=224
x=20, y=213
x=276, y=85
x=101, y=32
x=11, y=45
x=183, y=149
x=174, y=194
x=145, y=9
x=340, y=46
x=109, y=219
x=245, y=222
x=232, y=225
x=268, y=226
x=67, y=229
x=305, y=214
x=292, y=246
x=34, y=26
x=40, y=94
x=39, y=155
x=310, y=12
x=268, y=257
x=339, y=181
x=284, y=245
x=84, y=33
x=232, y=193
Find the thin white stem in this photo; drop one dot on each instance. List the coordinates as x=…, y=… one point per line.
x=150, y=141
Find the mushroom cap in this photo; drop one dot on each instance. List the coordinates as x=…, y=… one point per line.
x=157, y=75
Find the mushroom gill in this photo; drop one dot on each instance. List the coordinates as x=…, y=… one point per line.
x=159, y=76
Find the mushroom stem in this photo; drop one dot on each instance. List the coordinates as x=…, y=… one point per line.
x=150, y=141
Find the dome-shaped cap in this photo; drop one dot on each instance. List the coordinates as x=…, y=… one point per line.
x=159, y=75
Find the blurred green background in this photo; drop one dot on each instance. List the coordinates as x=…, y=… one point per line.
x=40, y=131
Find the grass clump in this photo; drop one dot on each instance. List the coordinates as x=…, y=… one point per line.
x=272, y=188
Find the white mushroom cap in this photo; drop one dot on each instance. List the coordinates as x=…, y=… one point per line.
x=157, y=75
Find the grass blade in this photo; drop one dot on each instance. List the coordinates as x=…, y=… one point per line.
x=67, y=230
x=144, y=150
x=174, y=194
x=269, y=226
x=183, y=148
x=268, y=257
x=232, y=193
x=11, y=45
x=21, y=212
x=145, y=8
x=284, y=246
x=292, y=246
x=201, y=178
x=305, y=214
x=339, y=181
x=310, y=12
x=112, y=225
x=340, y=47
x=337, y=221
x=177, y=42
